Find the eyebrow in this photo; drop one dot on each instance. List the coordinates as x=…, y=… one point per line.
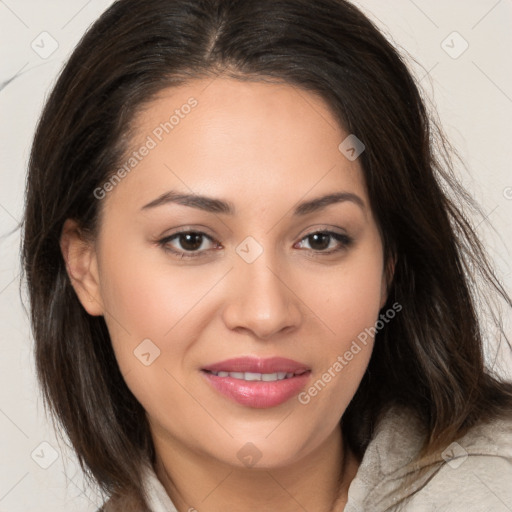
x=212, y=205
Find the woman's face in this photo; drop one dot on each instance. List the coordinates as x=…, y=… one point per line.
x=248, y=278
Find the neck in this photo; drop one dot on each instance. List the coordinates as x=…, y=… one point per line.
x=318, y=482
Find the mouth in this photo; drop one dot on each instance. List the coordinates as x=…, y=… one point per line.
x=257, y=383
x=255, y=376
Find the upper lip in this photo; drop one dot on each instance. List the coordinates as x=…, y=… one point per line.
x=258, y=365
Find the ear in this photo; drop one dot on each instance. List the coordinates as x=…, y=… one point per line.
x=80, y=257
x=387, y=279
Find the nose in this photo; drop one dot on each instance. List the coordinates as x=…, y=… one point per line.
x=261, y=302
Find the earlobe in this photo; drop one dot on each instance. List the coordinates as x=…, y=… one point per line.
x=81, y=265
x=387, y=279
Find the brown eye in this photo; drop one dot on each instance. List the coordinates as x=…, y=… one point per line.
x=188, y=244
x=326, y=242
x=190, y=241
x=319, y=241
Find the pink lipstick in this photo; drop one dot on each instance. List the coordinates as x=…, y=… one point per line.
x=258, y=383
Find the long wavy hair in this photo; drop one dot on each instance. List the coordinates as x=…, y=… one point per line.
x=429, y=358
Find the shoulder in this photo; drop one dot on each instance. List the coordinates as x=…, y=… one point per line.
x=157, y=499
x=475, y=473
x=472, y=474
x=121, y=504
x=481, y=483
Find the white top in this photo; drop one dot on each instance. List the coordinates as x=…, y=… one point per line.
x=472, y=475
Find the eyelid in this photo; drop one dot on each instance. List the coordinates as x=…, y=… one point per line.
x=163, y=242
x=324, y=229
x=345, y=241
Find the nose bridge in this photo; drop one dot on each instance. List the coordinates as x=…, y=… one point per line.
x=260, y=300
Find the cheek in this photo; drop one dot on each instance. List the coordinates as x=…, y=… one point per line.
x=349, y=299
x=145, y=299
x=348, y=302
x=144, y=286
x=156, y=310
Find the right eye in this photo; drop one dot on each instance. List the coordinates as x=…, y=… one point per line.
x=187, y=244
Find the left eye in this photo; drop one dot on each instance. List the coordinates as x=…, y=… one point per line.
x=326, y=241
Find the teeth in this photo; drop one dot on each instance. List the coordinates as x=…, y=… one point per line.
x=249, y=376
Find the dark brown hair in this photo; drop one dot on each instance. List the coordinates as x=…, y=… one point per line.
x=429, y=358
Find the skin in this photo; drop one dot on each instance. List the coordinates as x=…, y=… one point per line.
x=264, y=148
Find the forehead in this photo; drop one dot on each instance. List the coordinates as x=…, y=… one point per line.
x=230, y=138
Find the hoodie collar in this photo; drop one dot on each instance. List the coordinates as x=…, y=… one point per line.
x=388, y=470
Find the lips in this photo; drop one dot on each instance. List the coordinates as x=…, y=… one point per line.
x=258, y=383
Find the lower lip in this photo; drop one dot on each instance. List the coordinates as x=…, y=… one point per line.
x=256, y=393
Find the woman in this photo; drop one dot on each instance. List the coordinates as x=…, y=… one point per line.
x=250, y=287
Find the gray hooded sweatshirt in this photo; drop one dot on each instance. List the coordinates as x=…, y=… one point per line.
x=473, y=474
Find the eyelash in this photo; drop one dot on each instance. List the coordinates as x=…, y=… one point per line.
x=344, y=240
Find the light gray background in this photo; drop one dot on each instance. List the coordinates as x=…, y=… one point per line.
x=473, y=94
